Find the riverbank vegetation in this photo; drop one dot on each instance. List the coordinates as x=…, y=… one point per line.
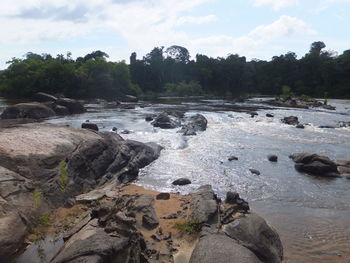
x=171, y=71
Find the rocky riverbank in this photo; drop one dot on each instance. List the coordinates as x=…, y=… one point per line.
x=72, y=184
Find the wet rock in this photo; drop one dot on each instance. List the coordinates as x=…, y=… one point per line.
x=44, y=97
x=149, y=118
x=272, y=158
x=254, y=171
x=163, y=196
x=73, y=106
x=254, y=233
x=166, y=121
x=60, y=110
x=205, y=205
x=315, y=165
x=328, y=107
x=326, y=127
x=31, y=110
x=231, y=197
x=89, y=125
x=125, y=132
x=344, y=124
x=194, y=124
x=232, y=207
x=253, y=114
x=182, y=181
x=269, y=115
x=114, y=129
x=300, y=126
x=127, y=106
x=291, y=120
x=232, y=158
x=221, y=249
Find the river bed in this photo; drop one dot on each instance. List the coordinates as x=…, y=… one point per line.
x=311, y=214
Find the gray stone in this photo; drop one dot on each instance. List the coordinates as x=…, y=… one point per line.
x=31, y=110
x=89, y=125
x=163, y=196
x=291, y=120
x=72, y=105
x=221, y=249
x=194, y=124
x=272, y=158
x=255, y=234
x=254, y=171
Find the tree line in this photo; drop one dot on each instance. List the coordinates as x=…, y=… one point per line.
x=171, y=71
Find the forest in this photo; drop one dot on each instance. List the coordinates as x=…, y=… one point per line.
x=172, y=72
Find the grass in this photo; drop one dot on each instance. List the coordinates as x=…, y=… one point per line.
x=63, y=175
x=37, y=198
x=189, y=227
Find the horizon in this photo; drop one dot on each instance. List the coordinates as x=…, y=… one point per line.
x=256, y=29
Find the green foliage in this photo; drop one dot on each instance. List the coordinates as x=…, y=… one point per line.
x=37, y=198
x=192, y=88
x=42, y=220
x=189, y=227
x=63, y=175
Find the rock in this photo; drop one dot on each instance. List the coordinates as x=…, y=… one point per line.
x=143, y=206
x=44, y=97
x=31, y=110
x=254, y=171
x=344, y=124
x=149, y=223
x=272, y=158
x=73, y=106
x=70, y=203
x=269, y=115
x=221, y=249
x=125, y=132
x=328, y=107
x=129, y=98
x=182, y=181
x=326, y=127
x=291, y=120
x=89, y=125
x=35, y=152
x=253, y=233
x=166, y=121
x=204, y=206
x=315, y=165
x=194, y=124
x=163, y=196
x=149, y=118
x=300, y=126
x=253, y=114
x=13, y=231
x=93, y=245
x=231, y=197
x=60, y=110
x=115, y=129
x=232, y=158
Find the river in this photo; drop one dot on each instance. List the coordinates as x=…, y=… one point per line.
x=311, y=214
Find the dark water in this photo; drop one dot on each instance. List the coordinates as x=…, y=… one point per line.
x=311, y=214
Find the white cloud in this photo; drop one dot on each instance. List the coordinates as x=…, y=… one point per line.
x=196, y=20
x=276, y=4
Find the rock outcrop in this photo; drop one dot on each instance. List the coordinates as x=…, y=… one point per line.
x=47, y=106
x=291, y=120
x=41, y=166
x=167, y=120
x=318, y=165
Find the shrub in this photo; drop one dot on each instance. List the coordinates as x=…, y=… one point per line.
x=189, y=226
x=63, y=175
x=37, y=198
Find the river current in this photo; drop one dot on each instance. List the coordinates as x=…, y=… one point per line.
x=311, y=214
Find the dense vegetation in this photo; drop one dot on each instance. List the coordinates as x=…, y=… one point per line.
x=171, y=72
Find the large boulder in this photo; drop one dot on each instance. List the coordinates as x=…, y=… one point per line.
x=31, y=110
x=205, y=207
x=315, y=165
x=166, y=121
x=221, y=249
x=194, y=124
x=255, y=234
x=73, y=106
x=56, y=163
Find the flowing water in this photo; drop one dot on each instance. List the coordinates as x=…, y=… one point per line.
x=311, y=214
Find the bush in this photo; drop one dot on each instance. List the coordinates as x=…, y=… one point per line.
x=189, y=227
x=192, y=88
x=63, y=175
x=37, y=198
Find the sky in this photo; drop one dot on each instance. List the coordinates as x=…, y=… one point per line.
x=257, y=29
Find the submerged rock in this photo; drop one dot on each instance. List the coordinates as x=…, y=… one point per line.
x=254, y=171
x=272, y=158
